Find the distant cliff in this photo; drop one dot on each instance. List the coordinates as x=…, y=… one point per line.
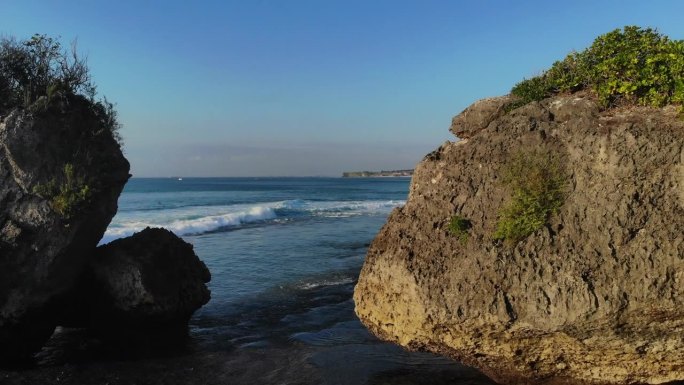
x=373, y=174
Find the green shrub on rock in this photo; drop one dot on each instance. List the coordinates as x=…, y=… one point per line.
x=459, y=227
x=40, y=69
x=629, y=66
x=67, y=197
x=528, y=91
x=536, y=181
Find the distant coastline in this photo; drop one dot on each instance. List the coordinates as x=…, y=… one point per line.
x=372, y=174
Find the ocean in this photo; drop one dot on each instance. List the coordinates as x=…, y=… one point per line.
x=284, y=254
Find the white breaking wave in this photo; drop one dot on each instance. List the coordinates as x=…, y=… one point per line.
x=336, y=209
x=192, y=226
x=326, y=282
x=201, y=219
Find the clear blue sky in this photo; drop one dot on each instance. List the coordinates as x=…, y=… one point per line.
x=311, y=87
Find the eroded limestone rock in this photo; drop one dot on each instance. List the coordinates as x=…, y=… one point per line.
x=594, y=297
x=478, y=116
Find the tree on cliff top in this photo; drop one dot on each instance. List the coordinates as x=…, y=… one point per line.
x=39, y=66
x=632, y=65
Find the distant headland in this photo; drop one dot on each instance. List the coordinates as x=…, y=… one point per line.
x=372, y=174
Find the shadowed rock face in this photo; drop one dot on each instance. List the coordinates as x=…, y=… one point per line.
x=593, y=297
x=61, y=173
x=42, y=251
x=144, y=283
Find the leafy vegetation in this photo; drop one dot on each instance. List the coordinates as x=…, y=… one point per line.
x=459, y=227
x=629, y=66
x=40, y=67
x=530, y=90
x=67, y=197
x=536, y=180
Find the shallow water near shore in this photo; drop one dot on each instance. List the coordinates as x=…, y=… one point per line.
x=284, y=254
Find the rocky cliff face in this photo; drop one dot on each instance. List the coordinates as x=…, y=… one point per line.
x=61, y=173
x=55, y=158
x=595, y=296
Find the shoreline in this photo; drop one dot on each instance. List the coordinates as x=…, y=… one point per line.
x=315, y=339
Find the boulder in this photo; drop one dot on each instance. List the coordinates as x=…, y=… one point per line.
x=61, y=172
x=148, y=283
x=478, y=116
x=593, y=297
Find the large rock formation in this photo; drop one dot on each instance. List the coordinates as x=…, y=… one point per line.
x=147, y=284
x=596, y=296
x=61, y=173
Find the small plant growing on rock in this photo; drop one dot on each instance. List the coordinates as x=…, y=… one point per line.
x=66, y=198
x=459, y=227
x=536, y=180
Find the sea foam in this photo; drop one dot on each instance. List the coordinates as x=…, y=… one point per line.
x=202, y=219
x=193, y=226
x=341, y=208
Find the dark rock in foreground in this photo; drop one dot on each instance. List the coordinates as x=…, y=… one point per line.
x=150, y=282
x=61, y=172
x=595, y=296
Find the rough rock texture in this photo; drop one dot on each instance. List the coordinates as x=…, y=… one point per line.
x=150, y=281
x=594, y=297
x=478, y=116
x=42, y=251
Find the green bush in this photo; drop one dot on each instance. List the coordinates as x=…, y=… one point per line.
x=529, y=90
x=536, y=181
x=632, y=65
x=39, y=66
x=67, y=197
x=459, y=227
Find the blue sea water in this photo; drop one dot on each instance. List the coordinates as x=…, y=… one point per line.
x=258, y=234
x=284, y=254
